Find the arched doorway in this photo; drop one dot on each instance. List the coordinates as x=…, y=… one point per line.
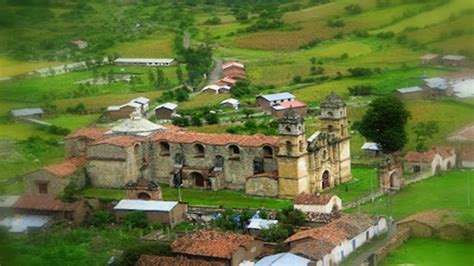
x=394, y=180
x=198, y=179
x=143, y=196
x=449, y=165
x=325, y=180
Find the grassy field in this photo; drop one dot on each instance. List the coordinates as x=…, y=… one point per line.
x=420, y=251
x=73, y=122
x=11, y=67
x=155, y=46
x=225, y=198
x=201, y=100
x=447, y=191
x=359, y=186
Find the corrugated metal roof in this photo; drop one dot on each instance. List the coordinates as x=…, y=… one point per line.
x=283, y=259
x=145, y=205
x=261, y=223
x=21, y=223
x=410, y=89
x=142, y=100
x=278, y=96
x=231, y=101
x=454, y=57
x=144, y=60
x=371, y=146
x=8, y=201
x=27, y=112
x=437, y=83
x=170, y=106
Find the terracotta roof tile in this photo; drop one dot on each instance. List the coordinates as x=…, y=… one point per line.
x=313, y=199
x=212, y=244
x=468, y=154
x=122, y=141
x=67, y=167
x=42, y=202
x=413, y=156
x=294, y=104
x=313, y=249
x=256, y=140
x=88, y=132
x=151, y=260
x=326, y=233
x=444, y=152
x=466, y=132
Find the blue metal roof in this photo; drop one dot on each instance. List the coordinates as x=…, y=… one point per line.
x=278, y=96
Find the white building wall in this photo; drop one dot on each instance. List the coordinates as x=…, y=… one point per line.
x=467, y=164
x=445, y=162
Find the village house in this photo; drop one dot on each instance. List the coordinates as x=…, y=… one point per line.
x=166, y=111
x=411, y=93
x=279, y=109
x=233, y=65
x=123, y=111
x=216, y=89
x=75, y=144
x=152, y=260
x=319, y=203
x=53, y=179
x=143, y=102
x=230, y=103
x=256, y=223
x=332, y=243
x=214, y=246
x=285, y=166
x=170, y=213
x=226, y=81
x=372, y=149
x=234, y=73
x=429, y=59
x=454, y=60
x=436, y=87
x=284, y=259
x=435, y=160
x=34, y=113
x=265, y=102
x=152, y=62
x=467, y=158
x=79, y=44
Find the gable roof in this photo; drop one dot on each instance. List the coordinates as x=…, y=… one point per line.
x=437, y=83
x=151, y=260
x=371, y=146
x=277, y=96
x=212, y=244
x=428, y=56
x=454, y=57
x=90, y=133
x=256, y=223
x=27, y=112
x=313, y=199
x=67, y=167
x=326, y=233
x=231, y=101
x=413, y=156
x=256, y=140
x=141, y=100
x=42, y=202
x=145, y=205
x=313, y=249
x=232, y=64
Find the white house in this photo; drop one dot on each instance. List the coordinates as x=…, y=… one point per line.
x=230, y=103
x=332, y=243
x=216, y=89
x=143, y=101
x=321, y=203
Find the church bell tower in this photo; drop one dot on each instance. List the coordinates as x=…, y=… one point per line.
x=292, y=155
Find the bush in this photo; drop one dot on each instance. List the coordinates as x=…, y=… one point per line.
x=180, y=121
x=317, y=70
x=212, y=118
x=353, y=9
x=80, y=108
x=196, y=121
x=100, y=219
x=133, y=253
x=276, y=233
x=213, y=21
x=360, y=71
x=297, y=79
x=135, y=219
x=310, y=44
x=386, y=35
x=335, y=23
x=361, y=90
x=291, y=216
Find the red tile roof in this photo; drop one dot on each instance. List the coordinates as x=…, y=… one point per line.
x=88, y=132
x=232, y=64
x=413, y=156
x=313, y=249
x=466, y=132
x=122, y=141
x=239, y=73
x=212, y=244
x=468, y=154
x=67, y=167
x=256, y=140
x=294, y=104
x=228, y=80
x=41, y=202
x=330, y=234
x=313, y=199
x=151, y=260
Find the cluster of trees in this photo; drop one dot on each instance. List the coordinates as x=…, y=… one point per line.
x=198, y=62
x=361, y=90
x=288, y=220
x=196, y=117
x=269, y=128
x=55, y=130
x=180, y=94
x=243, y=89
x=79, y=109
x=267, y=20
x=363, y=71
x=423, y=132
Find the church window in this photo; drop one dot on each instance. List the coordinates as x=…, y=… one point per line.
x=329, y=113
x=234, y=151
x=267, y=152
x=288, y=129
x=164, y=148
x=342, y=130
x=199, y=150
x=43, y=188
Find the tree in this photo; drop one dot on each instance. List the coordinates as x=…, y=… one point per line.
x=135, y=219
x=100, y=219
x=291, y=216
x=180, y=121
x=196, y=121
x=160, y=78
x=241, y=89
x=384, y=123
x=181, y=94
x=211, y=118
x=179, y=74
x=424, y=131
x=151, y=77
x=297, y=79
x=275, y=233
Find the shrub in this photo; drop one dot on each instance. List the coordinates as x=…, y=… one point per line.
x=291, y=216
x=213, y=21
x=276, y=233
x=344, y=56
x=310, y=44
x=196, y=121
x=180, y=121
x=353, y=9
x=317, y=70
x=212, y=118
x=135, y=219
x=360, y=71
x=386, y=35
x=361, y=90
x=335, y=23
x=297, y=79
x=100, y=219
x=80, y=108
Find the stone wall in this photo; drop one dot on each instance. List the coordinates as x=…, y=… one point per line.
x=262, y=186
x=55, y=183
x=395, y=242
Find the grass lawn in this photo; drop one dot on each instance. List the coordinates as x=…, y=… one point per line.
x=225, y=198
x=201, y=100
x=359, y=186
x=73, y=122
x=421, y=251
x=10, y=67
x=447, y=191
x=155, y=46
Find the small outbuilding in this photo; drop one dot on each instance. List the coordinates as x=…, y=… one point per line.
x=284, y=259
x=320, y=203
x=166, y=212
x=35, y=113
x=454, y=60
x=123, y=111
x=79, y=44
x=410, y=93
x=143, y=101
x=230, y=103
x=279, y=109
x=216, y=89
x=165, y=111
x=467, y=158
x=265, y=102
x=372, y=149
x=233, y=65
x=145, y=61
x=429, y=59
x=257, y=224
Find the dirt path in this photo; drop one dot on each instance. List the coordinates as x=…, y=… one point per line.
x=216, y=72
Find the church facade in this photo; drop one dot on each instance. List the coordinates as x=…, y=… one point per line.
x=284, y=165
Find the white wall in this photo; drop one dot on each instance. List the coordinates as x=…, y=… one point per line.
x=328, y=208
x=467, y=164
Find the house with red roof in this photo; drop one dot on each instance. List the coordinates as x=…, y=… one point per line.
x=467, y=158
x=220, y=247
x=432, y=161
x=318, y=203
x=52, y=179
x=279, y=109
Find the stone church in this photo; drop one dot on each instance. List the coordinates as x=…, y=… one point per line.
x=285, y=165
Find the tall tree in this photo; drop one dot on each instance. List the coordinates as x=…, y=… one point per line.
x=424, y=131
x=179, y=74
x=384, y=123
